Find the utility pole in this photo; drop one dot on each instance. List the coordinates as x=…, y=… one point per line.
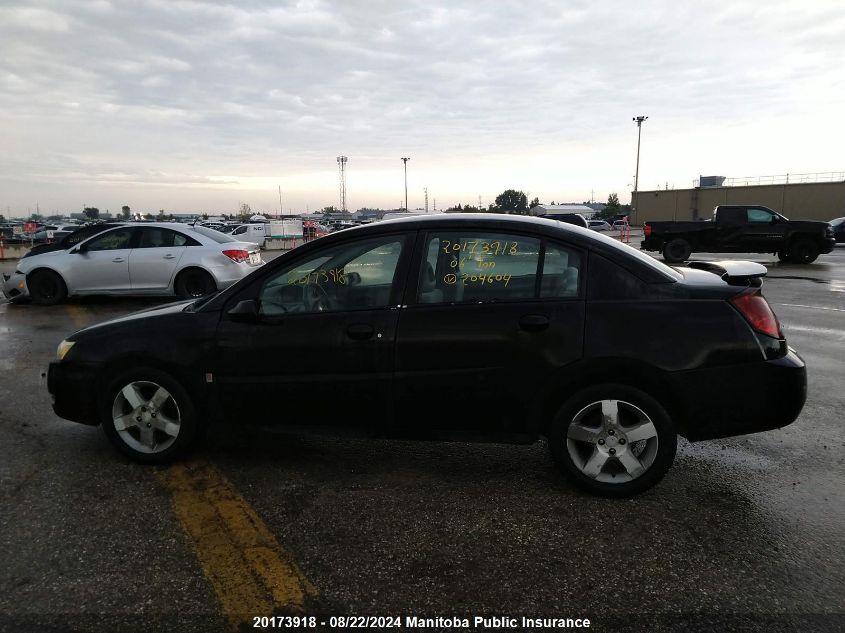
x=425, y=189
x=341, y=165
x=635, y=201
x=281, y=210
x=405, y=161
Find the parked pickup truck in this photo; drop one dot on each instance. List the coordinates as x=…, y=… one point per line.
x=741, y=229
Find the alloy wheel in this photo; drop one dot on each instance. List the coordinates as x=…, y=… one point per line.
x=146, y=417
x=612, y=441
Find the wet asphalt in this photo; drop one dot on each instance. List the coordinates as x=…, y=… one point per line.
x=743, y=534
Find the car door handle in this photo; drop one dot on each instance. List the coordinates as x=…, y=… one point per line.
x=534, y=322
x=169, y=256
x=360, y=331
x=118, y=260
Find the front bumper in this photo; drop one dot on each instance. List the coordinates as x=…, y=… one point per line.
x=828, y=244
x=748, y=398
x=14, y=286
x=73, y=387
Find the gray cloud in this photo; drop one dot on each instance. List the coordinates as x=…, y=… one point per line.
x=196, y=90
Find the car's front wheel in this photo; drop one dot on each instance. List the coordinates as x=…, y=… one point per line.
x=613, y=440
x=803, y=251
x=46, y=288
x=148, y=416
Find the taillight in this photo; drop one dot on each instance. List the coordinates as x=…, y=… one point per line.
x=647, y=230
x=756, y=310
x=237, y=256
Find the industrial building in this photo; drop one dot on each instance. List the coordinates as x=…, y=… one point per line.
x=797, y=196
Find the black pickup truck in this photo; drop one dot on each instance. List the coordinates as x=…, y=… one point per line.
x=741, y=229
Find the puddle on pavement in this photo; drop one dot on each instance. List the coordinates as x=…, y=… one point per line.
x=835, y=284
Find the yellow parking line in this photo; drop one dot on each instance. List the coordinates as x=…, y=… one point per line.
x=247, y=568
x=81, y=317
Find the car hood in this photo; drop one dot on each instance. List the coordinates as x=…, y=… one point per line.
x=170, y=308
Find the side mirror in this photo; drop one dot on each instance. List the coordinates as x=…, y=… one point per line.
x=78, y=249
x=246, y=310
x=775, y=220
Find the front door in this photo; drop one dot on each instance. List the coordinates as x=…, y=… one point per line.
x=491, y=317
x=321, y=350
x=102, y=263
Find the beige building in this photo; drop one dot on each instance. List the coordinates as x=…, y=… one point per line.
x=796, y=201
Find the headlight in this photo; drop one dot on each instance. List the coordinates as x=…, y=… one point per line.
x=64, y=348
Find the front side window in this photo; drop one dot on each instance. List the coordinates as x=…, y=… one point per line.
x=760, y=216
x=473, y=266
x=119, y=238
x=351, y=276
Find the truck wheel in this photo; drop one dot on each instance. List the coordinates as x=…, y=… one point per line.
x=676, y=251
x=803, y=252
x=783, y=257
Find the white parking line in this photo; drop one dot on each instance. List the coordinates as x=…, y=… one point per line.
x=799, y=305
x=830, y=332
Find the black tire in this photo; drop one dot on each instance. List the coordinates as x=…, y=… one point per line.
x=783, y=257
x=194, y=283
x=46, y=288
x=676, y=251
x=573, y=455
x=803, y=251
x=149, y=416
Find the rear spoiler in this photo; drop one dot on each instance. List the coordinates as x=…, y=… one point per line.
x=734, y=272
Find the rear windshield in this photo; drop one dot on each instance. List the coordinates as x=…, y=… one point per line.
x=217, y=236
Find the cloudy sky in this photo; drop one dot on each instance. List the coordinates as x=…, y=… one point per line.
x=197, y=106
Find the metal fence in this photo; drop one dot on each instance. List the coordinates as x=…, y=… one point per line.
x=780, y=179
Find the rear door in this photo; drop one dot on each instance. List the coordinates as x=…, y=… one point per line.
x=102, y=263
x=321, y=350
x=154, y=259
x=489, y=317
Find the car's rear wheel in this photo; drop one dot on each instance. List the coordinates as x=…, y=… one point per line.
x=46, y=288
x=676, y=251
x=613, y=440
x=803, y=251
x=148, y=416
x=194, y=283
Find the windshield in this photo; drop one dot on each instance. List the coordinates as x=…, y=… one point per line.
x=217, y=236
x=836, y=222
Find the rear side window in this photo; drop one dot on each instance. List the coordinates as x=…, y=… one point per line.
x=155, y=237
x=474, y=267
x=561, y=272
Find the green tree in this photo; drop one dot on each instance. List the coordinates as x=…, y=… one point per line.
x=612, y=209
x=327, y=210
x=511, y=201
x=534, y=203
x=91, y=212
x=125, y=210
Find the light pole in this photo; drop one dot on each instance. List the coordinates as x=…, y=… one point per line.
x=635, y=202
x=405, y=161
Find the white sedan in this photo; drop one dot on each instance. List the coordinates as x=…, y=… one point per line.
x=158, y=258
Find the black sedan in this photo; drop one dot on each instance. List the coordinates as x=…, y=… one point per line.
x=481, y=327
